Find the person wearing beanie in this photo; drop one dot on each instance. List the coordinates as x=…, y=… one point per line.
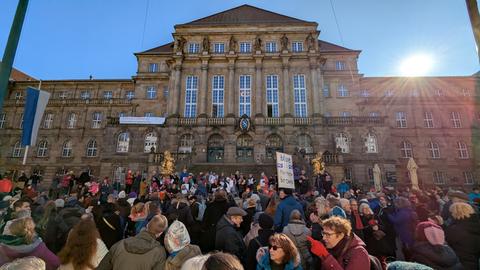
x=177, y=243
x=297, y=231
x=264, y=232
x=431, y=249
x=122, y=194
x=227, y=238
x=251, y=210
x=287, y=204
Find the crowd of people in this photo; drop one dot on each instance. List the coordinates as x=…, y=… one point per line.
x=214, y=221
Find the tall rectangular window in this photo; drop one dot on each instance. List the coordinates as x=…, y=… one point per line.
x=401, y=119
x=245, y=95
x=342, y=91
x=297, y=46
x=18, y=95
x=389, y=93
x=428, y=120
x=340, y=65
x=272, y=96
x=62, y=94
x=271, y=47
x=439, y=178
x=191, y=96
x=364, y=93
x=85, y=95
x=48, y=120
x=469, y=179
x=193, y=48
x=151, y=92
x=456, y=121
x=245, y=47
x=300, y=96
x=326, y=91
x=153, y=67
x=165, y=91
x=465, y=93
x=218, y=91
x=96, y=120
x=3, y=120
x=108, y=95
x=20, y=125
x=218, y=47
x=130, y=95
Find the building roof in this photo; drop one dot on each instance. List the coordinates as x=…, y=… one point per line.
x=245, y=14
x=17, y=75
x=165, y=48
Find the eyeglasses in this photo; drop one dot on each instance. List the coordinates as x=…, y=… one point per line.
x=325, y=234
x=273, y=247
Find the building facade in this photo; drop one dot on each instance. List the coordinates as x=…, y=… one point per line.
x=237, y=86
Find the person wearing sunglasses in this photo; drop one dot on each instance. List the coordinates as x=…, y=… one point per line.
x=342, y=248
x=281, y=253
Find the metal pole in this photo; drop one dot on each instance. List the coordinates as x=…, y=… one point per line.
x=11, y=48
x=472, y=8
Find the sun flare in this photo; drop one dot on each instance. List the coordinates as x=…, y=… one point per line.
x=416, y=65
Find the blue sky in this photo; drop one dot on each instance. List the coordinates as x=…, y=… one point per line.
x=72, y=39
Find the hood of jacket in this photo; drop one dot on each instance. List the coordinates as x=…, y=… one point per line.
x=438, y=256
x=296, y=228
x=263, y=259
x=189, y=251
x=141, y=243
x=16, y=245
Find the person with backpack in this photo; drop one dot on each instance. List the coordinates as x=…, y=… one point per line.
x=197, y=208
x=343, y=250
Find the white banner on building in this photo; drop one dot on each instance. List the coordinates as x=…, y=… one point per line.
x=285, y=171
x=142, y=120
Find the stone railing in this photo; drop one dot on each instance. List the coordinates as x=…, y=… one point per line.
x=273, y=121
x=302, y=121
x=216, y=121
x=74, y=102
x=112, y=121
x=187, y=121
x=353, y=121
x=330, y=158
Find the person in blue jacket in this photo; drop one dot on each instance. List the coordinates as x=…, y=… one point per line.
x=287, y=204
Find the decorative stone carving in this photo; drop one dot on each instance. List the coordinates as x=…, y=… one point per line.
x=284, y=42
x=206, y=44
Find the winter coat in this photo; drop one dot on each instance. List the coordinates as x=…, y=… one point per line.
x=57, y=229
x=297, y=232
x=439, y=257
x=464, y=238
x=247, y=220
x=213, y=213
x=14, y=247
x=175, y=260
x=260, y=241
x=375, y=247
x=179, y=211
x=382, y=217
x=264, y=262
x=110, y=228
x=404, y=222
x=140, y=252
x=228, y=239
x=354, y=257
x=284, y=209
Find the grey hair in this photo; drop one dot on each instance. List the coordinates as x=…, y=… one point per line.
x=26, y=263
x=195, y=263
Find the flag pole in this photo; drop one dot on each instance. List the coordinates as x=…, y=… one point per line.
x=25, y=155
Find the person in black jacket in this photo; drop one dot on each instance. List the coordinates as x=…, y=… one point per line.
x=109, y=225
x=227, y=238
x=264, y=233
x=214, y=211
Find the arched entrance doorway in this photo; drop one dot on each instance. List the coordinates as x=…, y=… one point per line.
x=215, y=148
x=244, y=148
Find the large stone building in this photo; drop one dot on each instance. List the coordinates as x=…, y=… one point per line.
x=239, y=85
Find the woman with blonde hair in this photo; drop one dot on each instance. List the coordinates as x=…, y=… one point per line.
x=463, y=234
x=24, y=242
x=281, y=253
x=84, y=248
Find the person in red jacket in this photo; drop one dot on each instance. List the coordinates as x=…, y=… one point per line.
x=342, y=249
x=128, y=181
x=6, y=185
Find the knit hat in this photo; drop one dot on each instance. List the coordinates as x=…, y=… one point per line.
x=265, y=221
x=59, y=203
x=458, y=194
x=177, y=237
x=132, y=195
x=431, y=232
x=122, y=194
x=338, y=212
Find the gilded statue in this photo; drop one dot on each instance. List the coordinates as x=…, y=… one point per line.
x=168, y=164
x=318, y=164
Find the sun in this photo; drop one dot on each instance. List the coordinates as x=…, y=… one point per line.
x=416, y=65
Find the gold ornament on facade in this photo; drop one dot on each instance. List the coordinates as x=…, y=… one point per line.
x=168, y=164
x=318, y=164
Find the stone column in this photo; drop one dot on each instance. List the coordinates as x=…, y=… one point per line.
x=314, y=96
x=287, y=92
x=231, y=89
x=258, y=88
x=177, y=90
x=202, y=100
x=321, y=83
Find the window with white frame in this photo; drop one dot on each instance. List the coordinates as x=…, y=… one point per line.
x=67, y=149
x=151, y=92
x=3, y=120
x=342, y=142
x=406, y=149
x=148, y=114
x=300, y=95
x=186, y=143
x=71, y=120
x=270, y=47
x=348, y=174
x=153, y=67
x=85, y=95
x=123, y=142
x=439, y=178
x=20, y=124
x=97, y=120
x=42, y=149
x=48, y=120
x=415, y=93
x=245, y=47
x=18, y=95
x=401, y=119
x=272, y=96
x=465, y=92
x=342, y=91
x=218, y=92
x=191, y=96
x=434, y=150
x=62, y=94
x=371, y=143
x=428, y=120
x=165, y=91
x=340, y=65
x=245, y=101
x=130, y=95
x=456, y=121
x=305, y=143
x=119, y=174
x=344, y=114
x=389, y=93
x=462, y=150
x=193, y=48
x=326, y=91
x=17, y=150
x=92, y=148
x=150, y=141
x=374, y=114
x=107, y=95
x=364, y=93
x=439, y=92
x=468, y=177
x=122, y=114
x=218, y=47
x=297, y=46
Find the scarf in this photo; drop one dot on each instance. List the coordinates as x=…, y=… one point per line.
x=358, y=220
x=337, y=250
